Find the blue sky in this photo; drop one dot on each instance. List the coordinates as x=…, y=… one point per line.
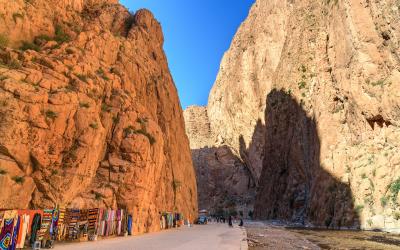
x=197, y=33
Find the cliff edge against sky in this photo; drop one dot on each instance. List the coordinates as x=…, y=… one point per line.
x=89, y=113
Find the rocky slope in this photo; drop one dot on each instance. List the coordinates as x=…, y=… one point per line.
x=224, y=183
x=89, y=114
x=308, y=98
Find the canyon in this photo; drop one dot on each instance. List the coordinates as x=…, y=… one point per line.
x=89, y=113
x=305, y=112
x=301, y=125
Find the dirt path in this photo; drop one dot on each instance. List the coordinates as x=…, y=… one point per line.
x=269, y=236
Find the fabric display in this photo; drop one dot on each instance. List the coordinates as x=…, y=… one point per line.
x=61, y=228
x=129, y=227
x=24, y=228
x=170, y=220
x=92, y=218
x=37, y=221
x=44, y=231
x=83, y=224
x=6, y=234
x=72, y=221
x=54, y=223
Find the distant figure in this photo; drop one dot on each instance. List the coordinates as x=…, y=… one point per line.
x=241, y=222
x=230, y=221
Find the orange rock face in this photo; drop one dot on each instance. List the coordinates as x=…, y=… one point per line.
x=89, y=114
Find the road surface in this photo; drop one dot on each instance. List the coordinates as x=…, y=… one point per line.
x=198, y=237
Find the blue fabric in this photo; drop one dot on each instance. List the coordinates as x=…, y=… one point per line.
x=130, y=225
x=15, y=235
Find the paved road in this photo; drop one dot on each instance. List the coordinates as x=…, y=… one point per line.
x=198, y=237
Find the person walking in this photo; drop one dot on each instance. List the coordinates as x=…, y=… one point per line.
x=230, y=221
x=241, y=222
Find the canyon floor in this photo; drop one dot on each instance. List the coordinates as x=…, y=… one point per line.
x=198, y=237
x=263, y=236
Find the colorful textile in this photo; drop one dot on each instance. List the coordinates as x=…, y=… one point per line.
x=92, y=218
x=129, y=224
x=6, y=234
x=54, y=223
x=36, y=223
x=44, y=232
x=23, y=230
x=83, y=223
x=61, y=227
x=73, y=217
x=100, y=222
x=120, y=214
x=15, y=234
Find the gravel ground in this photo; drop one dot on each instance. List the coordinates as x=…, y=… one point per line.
x=264, y=235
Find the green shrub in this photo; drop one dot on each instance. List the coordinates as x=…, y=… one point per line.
x=363, y=176
x=82, y=77
x=98, y=196
x=29, y=46
x=378, y=83
x=115, y=119
x=396, y=215
x=142, y=121
x=14, y=64
x=395, y=189
x=51, y=114
x=105, y=108
x=101, y=73
x=84, y=105
x=130, y=130
x=94, y=125
x=60, y=35
x=18, y=179
x=302, y=84
x=358, y=209
x=42, y=39
x=4, y=41
x=384, y=201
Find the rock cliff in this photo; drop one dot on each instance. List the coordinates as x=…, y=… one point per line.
x=224, y=183
x=89, y=114
x=308, y=98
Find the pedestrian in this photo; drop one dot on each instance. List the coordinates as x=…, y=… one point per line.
x=230, y=221
x=241, y=222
